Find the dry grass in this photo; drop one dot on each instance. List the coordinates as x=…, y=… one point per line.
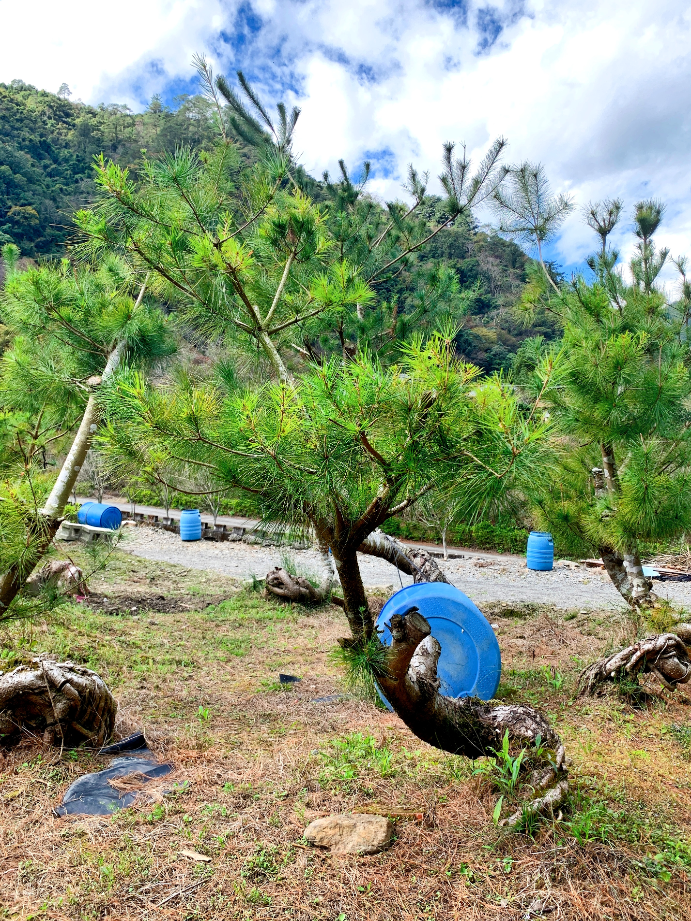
x=255, y=763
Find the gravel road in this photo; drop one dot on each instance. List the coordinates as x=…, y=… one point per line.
x=481, y=577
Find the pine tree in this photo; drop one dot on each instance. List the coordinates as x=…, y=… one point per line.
x=72, y=328
x=621, y=404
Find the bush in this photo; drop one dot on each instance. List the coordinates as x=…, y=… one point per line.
x=501, y=538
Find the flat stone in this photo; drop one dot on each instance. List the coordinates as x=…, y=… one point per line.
x=351, y=833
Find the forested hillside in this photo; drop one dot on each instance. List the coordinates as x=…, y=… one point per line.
x=47, y=146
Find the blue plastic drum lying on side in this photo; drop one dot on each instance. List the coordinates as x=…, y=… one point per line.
x=82, y=510
x=190, y=524
x=100, y=516
x=470, y=661
x=540, y=552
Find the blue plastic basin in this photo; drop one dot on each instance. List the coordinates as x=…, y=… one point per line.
x=540, y=553
x=470, y=660
x=190, y=524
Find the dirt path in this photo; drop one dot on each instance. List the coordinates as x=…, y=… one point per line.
x=481, y=577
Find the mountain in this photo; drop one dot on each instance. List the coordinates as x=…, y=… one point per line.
x=47, y=146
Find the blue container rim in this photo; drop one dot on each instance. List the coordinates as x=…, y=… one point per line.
x=541, y=533
x=190, y=509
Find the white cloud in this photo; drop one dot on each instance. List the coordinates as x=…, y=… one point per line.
x=599, y=92
x=101, y=50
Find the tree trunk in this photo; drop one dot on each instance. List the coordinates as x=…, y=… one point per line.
x=625, y=571
x=355, y=604
x=664, y=655
x=41, y=533
x=413, y=561
x=464, y=726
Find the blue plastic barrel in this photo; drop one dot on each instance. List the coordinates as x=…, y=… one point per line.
x=540, y=553
x=470, y=661
x=82, y=510
x=190, y=524
x=100, y=516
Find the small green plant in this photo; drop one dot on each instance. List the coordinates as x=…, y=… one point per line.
x=354, y=754
x=261, y=864
x=552, y=677
x=203, y=715
x=504, y=769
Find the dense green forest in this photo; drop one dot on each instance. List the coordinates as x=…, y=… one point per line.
x=47, y=147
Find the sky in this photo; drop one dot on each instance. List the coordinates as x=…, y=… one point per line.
x=598, y=91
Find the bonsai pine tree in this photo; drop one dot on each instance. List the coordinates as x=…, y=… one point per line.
x=72, y=328
x=341, y=442
x=251, y=259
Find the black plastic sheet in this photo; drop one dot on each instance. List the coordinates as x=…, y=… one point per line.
x=93, y=794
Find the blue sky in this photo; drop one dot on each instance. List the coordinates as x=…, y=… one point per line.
x=597, y=91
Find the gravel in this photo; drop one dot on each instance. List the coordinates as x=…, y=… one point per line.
x=481, y=577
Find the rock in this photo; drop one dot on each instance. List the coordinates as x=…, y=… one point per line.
x=350, y=834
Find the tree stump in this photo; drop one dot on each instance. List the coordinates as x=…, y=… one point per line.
x=59, y=702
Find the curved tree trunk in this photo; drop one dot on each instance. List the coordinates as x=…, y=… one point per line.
x=663, y=655
x=408, y=678
x=465, y=726
x=625, y=571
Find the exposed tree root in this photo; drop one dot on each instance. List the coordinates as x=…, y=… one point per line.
x=284, y=585
x=60, y=702
x=663, y=655
x=551, y=800
x=298, y=589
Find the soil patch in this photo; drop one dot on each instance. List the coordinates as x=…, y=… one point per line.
x=128, y=603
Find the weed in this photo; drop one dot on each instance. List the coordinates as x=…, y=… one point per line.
x=552, y=677
x=504, y=769
x=349, y=757
x=663, y=617
x=203, y=715
x=261, y=864
x=681, y=735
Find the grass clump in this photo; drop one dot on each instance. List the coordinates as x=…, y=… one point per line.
x=362, y=664
x=353, y=756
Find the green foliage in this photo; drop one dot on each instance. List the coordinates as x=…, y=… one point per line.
x=354, y=755
x=483, y=535
x=362, y=664
x=504, y=769
x=47, y=145
x=621, y=389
